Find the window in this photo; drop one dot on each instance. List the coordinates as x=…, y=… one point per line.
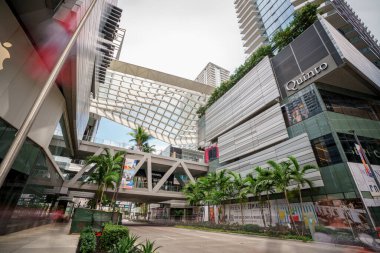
x=370, y=145
x=350, y=106
x=325, y=150
x=301, y=108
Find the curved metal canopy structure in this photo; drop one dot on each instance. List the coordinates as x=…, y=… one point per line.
x=165, y=105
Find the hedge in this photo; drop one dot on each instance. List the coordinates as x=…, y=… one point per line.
x=112, y=235
x=87, y=241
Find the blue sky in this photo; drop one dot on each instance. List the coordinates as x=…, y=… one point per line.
x=112, y=131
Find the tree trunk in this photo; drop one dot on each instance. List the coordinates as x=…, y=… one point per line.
x=302, y=213
x=290, y=214
x=224, y=213
x=229, y=212
x=270, y=210
x=208, y=208
x=241, y=212
x=262, y=211
x=101, y=196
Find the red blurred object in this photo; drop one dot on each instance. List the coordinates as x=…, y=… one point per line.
x=97, y=234
x=56, y=37
x=296, y=217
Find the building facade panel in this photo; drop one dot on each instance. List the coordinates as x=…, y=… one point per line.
x=245, y=99
x=299, y=147
x=257, y=133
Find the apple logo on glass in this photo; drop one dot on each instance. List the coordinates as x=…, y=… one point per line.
x=4, y=53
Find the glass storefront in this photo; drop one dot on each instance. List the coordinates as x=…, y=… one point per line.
x=370, y=145
x=325, y=150
x=348, y=105
x=30, y=191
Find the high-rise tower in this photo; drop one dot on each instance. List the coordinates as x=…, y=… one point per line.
x=213, y=75
x=260, y=19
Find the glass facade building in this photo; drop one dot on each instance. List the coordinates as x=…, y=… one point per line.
x=30, y=192
x=275, y=14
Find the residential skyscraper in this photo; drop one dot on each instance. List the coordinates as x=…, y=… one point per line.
x=260, y=19
x=346, y=21
x=213, y=75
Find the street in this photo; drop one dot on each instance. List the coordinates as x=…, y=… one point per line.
x=178, y=240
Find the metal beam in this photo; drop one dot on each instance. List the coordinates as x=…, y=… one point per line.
x=166, y=176
x=83, y=170
x=34, y=110
x=184, y=166
x=150, y=183
x=138, y=166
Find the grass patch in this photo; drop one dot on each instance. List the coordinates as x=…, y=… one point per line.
x=271, y=234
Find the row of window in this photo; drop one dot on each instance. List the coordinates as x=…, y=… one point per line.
x=306, y=105
x=327, y=153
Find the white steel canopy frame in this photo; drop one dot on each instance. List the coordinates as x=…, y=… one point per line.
x=165, y=105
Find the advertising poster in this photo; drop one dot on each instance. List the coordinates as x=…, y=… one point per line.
x=364, y=179
x=348, y=214
x=128, y=174
x=279, y=212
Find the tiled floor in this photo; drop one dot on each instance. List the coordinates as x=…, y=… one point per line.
x=44, y=239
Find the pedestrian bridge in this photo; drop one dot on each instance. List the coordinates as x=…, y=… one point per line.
x=159, y=173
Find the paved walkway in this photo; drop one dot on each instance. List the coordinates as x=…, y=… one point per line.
x=175, y=240
x=52, y=238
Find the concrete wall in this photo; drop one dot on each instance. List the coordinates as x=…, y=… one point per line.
x=21, y=80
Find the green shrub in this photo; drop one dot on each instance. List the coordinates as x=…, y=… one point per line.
x=148, y=247
x=251, y=228
x=303, y=19
x=127, y=245
x=112, y=235
x=239, y=73
x=87, y=241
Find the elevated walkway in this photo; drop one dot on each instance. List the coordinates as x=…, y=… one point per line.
x=150, y=191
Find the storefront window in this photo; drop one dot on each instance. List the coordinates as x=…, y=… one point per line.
x=31, y=188
x=350, y=106
x=301, y=108
x=370, y=145
x=325, y=150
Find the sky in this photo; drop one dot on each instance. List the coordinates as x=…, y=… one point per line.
x=180, y=37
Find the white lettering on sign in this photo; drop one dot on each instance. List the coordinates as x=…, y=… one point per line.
x=294, y=84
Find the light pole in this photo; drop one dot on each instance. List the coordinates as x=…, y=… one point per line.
x=365, y=158
x=373, y=173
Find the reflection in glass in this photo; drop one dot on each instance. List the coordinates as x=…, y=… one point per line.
x=350, y=106
x=325, y=150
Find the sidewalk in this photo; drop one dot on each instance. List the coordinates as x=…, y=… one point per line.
x=44, y=239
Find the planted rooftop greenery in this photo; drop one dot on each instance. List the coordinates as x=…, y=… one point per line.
x=303, y=18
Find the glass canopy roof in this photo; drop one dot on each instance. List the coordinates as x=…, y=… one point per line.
x=165, y=105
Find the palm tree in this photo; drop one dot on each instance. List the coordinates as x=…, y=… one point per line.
x=223, y=189
x=107, y=171
x=193, y=193
x=298, y=174
x=265, y=181
x=256, y=189
x=281, y=175
x=140, y=136
x=206, y=186
x=240, y=190
x=148, y=149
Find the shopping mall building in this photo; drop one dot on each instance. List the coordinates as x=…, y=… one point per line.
x=308, y=101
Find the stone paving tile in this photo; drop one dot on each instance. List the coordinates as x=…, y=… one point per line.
x=44, y=239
